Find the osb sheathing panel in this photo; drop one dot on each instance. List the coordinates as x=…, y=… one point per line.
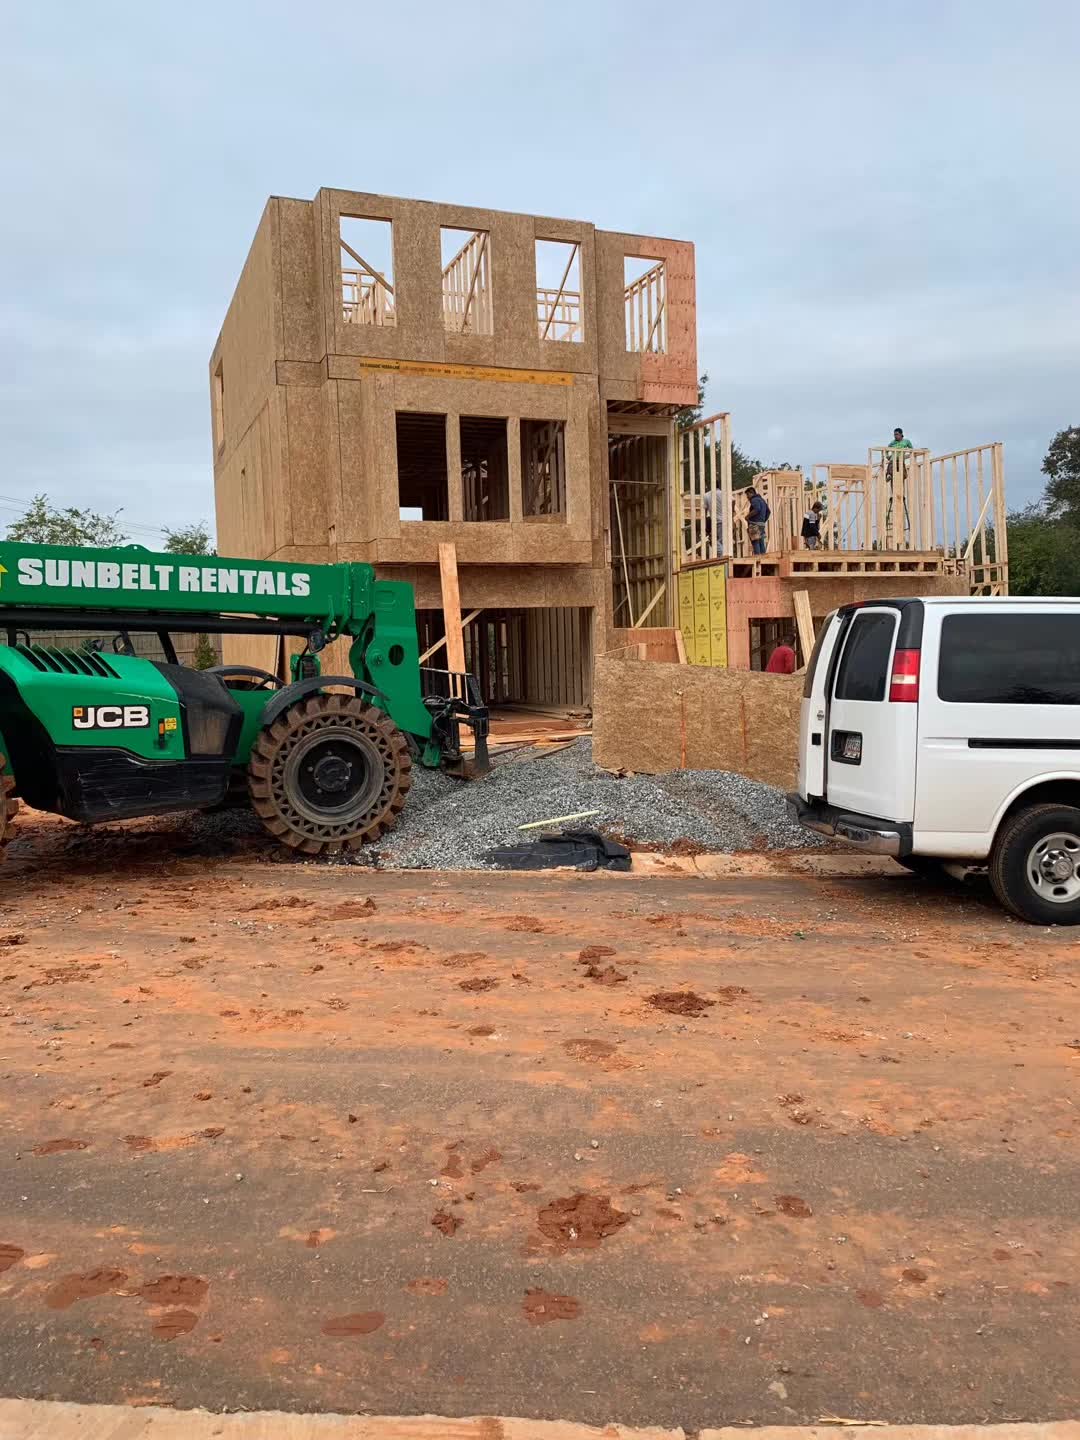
x=250, y=516
x=420, y=332
x=248, y=346
x=659, y=641
x=670, y=378
x=302, y=322
x=481, y=543
x=369, y=470
x=651, y=717
x=499, y=588
x=307, y=498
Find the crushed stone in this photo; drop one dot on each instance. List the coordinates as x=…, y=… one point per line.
x=454, y=824
x=450, y=824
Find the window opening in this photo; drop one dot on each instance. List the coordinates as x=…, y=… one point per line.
x=367, y=271
x=466, y=281
x=645, y=292
x=485, y=477
x=217, y=390
x=558, y=290
x=423, y=488
x=543, y=469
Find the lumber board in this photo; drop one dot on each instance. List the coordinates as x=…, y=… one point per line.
x=451, y=605
x=434, y=649
x=804, y=621
x=650, y=607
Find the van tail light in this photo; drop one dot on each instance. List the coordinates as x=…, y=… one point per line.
x=904, y=686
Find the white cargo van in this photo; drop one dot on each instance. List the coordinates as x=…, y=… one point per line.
x=949, y=730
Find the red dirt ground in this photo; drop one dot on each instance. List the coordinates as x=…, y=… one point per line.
x=261, y=1148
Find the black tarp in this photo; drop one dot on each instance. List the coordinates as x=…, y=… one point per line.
x=576, y=849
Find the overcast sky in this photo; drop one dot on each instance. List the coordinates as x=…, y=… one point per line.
x=885, y=200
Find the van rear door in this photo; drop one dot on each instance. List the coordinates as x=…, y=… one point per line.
x=811, y=784
x=872, y=719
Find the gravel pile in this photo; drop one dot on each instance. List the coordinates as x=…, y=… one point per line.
x=453, y=824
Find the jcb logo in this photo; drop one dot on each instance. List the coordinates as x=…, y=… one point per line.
x=110, y=717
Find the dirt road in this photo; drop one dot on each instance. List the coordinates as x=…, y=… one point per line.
x=677, y=1151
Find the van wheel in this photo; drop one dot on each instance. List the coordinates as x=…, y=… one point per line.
x=1035, y=865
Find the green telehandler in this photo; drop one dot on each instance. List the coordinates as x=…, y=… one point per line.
x=100, y=733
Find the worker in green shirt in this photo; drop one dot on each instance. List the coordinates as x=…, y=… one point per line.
x=897, y=468
x=898, y=442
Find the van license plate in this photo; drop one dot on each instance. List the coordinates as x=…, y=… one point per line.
x=852, y=748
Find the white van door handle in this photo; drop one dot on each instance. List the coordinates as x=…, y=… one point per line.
x=820, y=715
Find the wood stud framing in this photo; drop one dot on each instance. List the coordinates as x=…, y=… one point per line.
x=946, y=513
x=646, y=311
x=639, y=487
x=466, y=288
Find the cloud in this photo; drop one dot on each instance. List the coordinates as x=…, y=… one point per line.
x=883, y=200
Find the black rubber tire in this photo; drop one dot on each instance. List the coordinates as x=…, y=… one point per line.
x=290, y=817
x=9, y=806
x=1008, y=864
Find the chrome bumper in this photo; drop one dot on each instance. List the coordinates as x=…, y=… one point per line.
x=875, y=837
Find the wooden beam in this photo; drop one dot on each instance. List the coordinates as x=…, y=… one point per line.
x=622, y=552
x=680, y=646
x=434, y=649
x=364, y=264
x=451, y=605
x=650, y=607
x=574, y=247
x=804, y=621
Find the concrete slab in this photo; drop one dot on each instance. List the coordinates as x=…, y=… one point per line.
x=46, y=1420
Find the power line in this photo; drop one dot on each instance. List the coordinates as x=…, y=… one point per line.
x=9, y=502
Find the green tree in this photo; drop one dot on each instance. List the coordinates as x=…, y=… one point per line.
x=1044, y=539
x=45, y=524
x=1062, y=465
x=743, y=467
x=692, y=413
x=1044, y=554
x=194, y=540
x=189, y=540
x=205, y=654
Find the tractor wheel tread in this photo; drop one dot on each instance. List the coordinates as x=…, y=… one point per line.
x=268, y=782
x=9, y=805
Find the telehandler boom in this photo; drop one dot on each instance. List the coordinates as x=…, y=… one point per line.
x=101, y=733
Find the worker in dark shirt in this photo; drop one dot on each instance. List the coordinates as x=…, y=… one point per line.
x=811, y=525
x=757, y=517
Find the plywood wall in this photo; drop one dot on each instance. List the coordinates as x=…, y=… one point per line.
x=651, y=718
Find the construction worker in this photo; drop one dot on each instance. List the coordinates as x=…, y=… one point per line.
x=781, y=661
x=811, y=525
x=897, y=467
x=757, y=517
x=898, y=441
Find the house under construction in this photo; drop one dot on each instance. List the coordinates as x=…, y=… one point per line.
x=393, y=376
x=484, y=404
